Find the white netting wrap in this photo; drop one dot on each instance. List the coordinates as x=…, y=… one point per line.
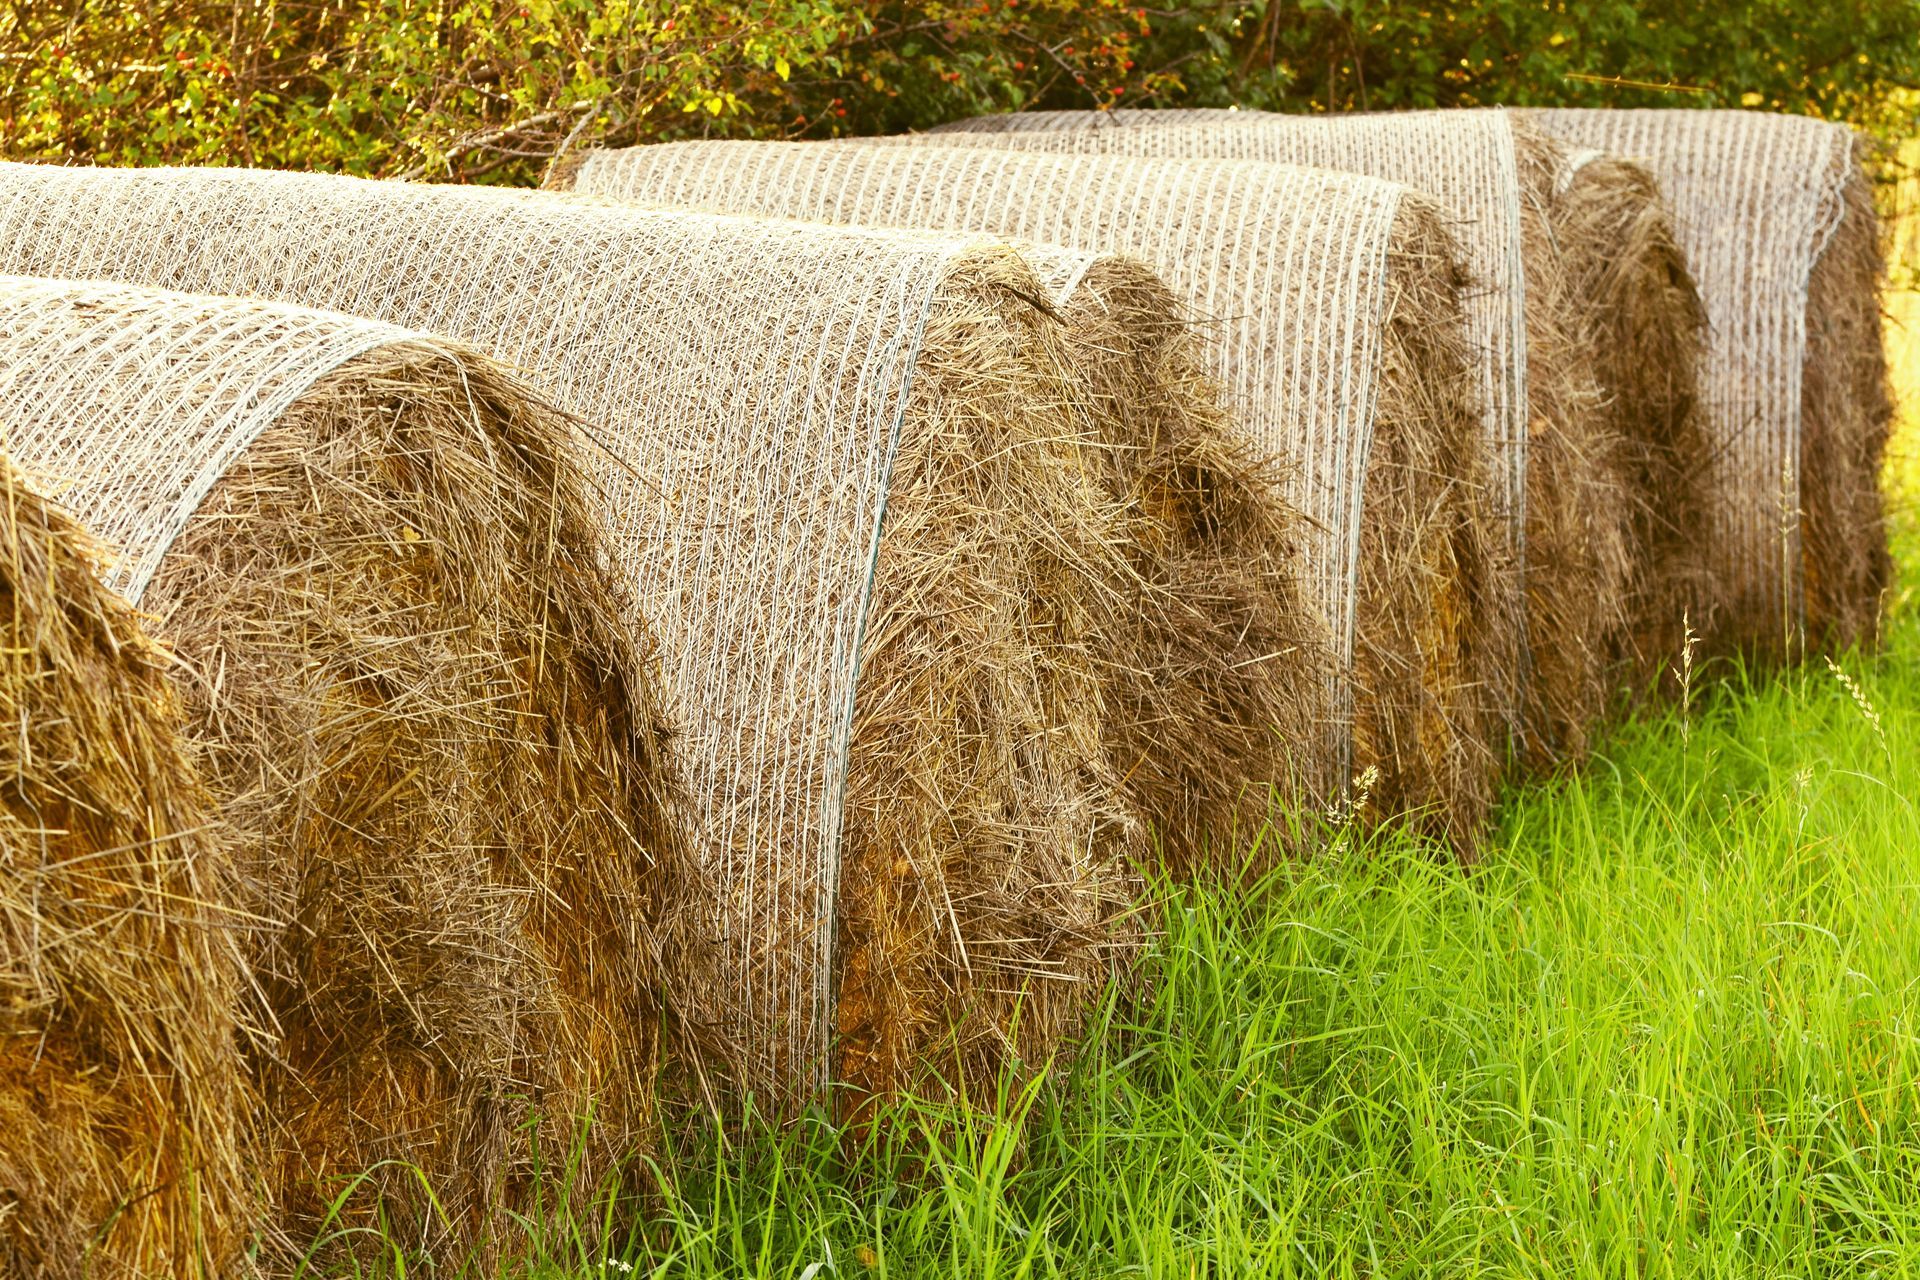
x=1286, y=266
x=743, y=384
x=1756, y=198
x=1464, y=159
x=180, y=385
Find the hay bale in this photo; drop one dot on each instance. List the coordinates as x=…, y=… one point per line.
x=1567, y=517
x=1776, y=218
x=891, y=730
x=122, y=1101
x=1642, y=331
x=1218, y=676
x=408, y=682
x=1352, y=373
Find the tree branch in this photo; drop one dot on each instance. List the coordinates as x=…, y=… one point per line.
x=479, y=141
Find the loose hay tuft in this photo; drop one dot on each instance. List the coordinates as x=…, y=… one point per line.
x=123, y=1107
x=410, y=686
x=970, y=942
x=1644, y=334
x=1357, y=374
x=778, y=408
x=1215, y=664
x=1580, y=506
x=1774, y=215
x=1846, y=418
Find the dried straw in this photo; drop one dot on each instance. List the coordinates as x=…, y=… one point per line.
x=987, y=854
x=1217, y=668
x=122, y=1101
x=408, y=681
x=1775, y=217
x=1354, y=371
x=893, y=717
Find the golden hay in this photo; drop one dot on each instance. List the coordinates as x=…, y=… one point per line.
x=970, y=943
x=1214, y=664
x=1433, y=563
x=408, y=681
x=792, y=434
x=123, y=1108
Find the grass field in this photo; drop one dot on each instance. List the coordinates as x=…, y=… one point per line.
x=1671, y=1026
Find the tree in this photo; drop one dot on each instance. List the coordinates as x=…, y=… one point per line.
x=496, y=90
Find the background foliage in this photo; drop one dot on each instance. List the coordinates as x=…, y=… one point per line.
x=494, y=89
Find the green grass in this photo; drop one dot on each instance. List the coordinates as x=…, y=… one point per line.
x=1670, y=1026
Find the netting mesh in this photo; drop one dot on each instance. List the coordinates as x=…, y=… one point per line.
x=743, y=383
x=1466, y=160
x=138, y=497
x=1756, y=199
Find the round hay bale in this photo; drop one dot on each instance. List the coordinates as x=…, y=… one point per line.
x=1643, y=330
x=846, y=482
x=408, y=681
x=123, y=1107
x=1217, y=669
x=1775, y=216
x=1351, y=375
